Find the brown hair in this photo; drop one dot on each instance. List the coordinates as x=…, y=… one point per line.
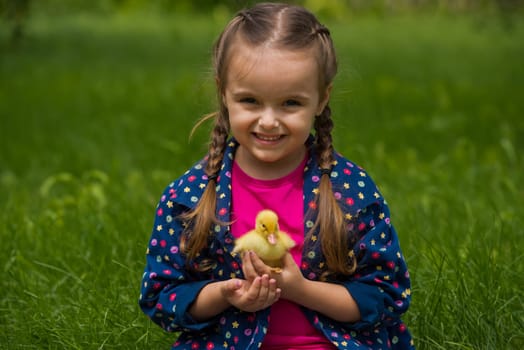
x=291, y=28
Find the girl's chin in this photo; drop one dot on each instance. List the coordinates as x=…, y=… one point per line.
x=266, y=157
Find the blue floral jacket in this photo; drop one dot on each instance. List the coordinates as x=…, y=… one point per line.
x=380, y=286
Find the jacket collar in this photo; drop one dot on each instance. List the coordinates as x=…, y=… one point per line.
x=190, y=186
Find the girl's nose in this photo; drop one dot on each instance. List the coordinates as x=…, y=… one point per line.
x=268, y=120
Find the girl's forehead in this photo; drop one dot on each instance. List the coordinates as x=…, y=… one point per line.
x=245, y=60
x=272, y=73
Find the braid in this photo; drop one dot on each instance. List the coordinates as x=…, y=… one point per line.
x=217, y=145
x=323, y=126
x=321, y=30
x=199, y=220
x=331, y=221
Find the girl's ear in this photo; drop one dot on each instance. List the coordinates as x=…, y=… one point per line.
x=324, y=99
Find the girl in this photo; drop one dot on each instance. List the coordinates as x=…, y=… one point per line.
x=345, y=283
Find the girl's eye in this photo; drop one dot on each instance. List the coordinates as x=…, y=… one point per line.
x=292, y=103
x=248, y=100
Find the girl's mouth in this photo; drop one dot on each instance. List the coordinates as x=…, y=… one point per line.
x=268, y=138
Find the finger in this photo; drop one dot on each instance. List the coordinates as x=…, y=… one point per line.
x=278, y=294
x=250, y=272
x=233, y=285
x=263, y=294
x=273, y=291
x=247, y=268
x=258, y=265
x=230, y=287
x=253, y=292
x=288, y=260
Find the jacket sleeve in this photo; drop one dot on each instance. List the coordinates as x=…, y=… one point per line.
x=381, y=283
x=168, y=290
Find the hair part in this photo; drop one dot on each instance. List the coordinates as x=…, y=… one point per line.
x=286, y=27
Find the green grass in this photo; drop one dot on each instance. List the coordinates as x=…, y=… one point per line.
x=95, y=114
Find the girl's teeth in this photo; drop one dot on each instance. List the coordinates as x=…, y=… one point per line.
x=267, y=138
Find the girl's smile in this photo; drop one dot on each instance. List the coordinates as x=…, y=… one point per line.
x=272, y=96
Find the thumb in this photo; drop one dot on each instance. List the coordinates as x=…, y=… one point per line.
x=288, y=260
x=232, y=285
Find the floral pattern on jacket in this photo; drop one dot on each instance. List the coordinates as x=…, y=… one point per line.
x=380, y=286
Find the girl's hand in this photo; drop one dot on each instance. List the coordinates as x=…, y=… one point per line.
x=288, y=280
x=255, y=293
x=332, y=300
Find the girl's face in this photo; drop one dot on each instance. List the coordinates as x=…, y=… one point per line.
x=272, y=96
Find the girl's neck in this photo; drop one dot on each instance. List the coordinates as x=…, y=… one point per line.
x=267, y=170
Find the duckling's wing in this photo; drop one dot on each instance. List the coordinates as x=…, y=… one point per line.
x=286, y=240
x=251, y=240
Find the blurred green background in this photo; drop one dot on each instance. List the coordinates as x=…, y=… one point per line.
x=97, y=100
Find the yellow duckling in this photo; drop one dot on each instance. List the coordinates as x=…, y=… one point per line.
x=266, y=240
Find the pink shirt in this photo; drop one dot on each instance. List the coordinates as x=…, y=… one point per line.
x=285, y=197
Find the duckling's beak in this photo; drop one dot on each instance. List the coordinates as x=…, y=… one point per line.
x=272, y=239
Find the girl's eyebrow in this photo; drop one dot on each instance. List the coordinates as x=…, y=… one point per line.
x=240, y=93
x=298, y=97
x=294, y=96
